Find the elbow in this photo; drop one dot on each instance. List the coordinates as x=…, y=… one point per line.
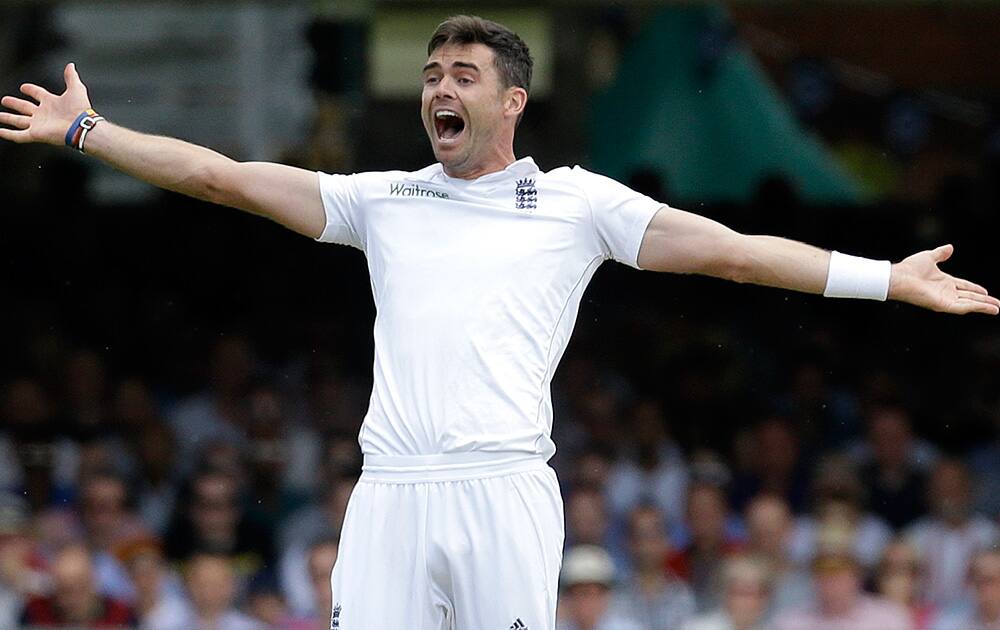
x=736, y=263
x=213, y=183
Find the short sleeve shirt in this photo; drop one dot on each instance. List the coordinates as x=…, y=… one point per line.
x=477, y=284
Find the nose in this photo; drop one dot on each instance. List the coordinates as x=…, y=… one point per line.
x=444, y=88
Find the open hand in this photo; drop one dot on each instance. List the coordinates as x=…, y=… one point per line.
x=47, y=117
x=917, y=280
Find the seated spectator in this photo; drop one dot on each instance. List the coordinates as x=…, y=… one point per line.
x=651, y=596
x=107, y=521
x=217, y=413
x=838, y=496
x=159, y=601
x=773, y=465
x=321, y=558
x=840, y=603
x=894, y=465
x=948, y=536
x=983, y=613
x=899, y=578
x=322, y=519
x=211, y=587
x=588, y=575
x=215, y=522
x=75, y=600
x=984, y=463
x=312, y=523
x=587, y=518
x=652, y=469
x=699, y=563
x=745, y=598
x=21, y=574
x=769, y=528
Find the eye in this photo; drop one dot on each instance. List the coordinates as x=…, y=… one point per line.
x=430, y=80
x=464, y=81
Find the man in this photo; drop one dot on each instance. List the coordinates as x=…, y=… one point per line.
x=588, y=578
x=75, y=601
x=478, y=264
x=650, y=595
x=744, y=602
x=948, y=537
x=769, y=532
x=840, y=603
x=211, y=586
x=983, y=612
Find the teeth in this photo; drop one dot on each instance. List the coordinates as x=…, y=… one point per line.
x=444, y=112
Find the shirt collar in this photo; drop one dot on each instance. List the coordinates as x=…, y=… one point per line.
x=518, y=168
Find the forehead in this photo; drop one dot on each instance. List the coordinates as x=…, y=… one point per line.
x=447, y=54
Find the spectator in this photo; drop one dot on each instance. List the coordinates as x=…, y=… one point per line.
x=587, y=576
x=151, y=452
x=651, y=596
x=699, y=563
x=984, y=463
x=157, y=483
x=211, y=586
x=21, y=574
x=983, y=613
x=894, y=465
x=75, y=600
x=899, y=579
x=652, y=470
x=587, y=521
x=947, y=538
x=324, y=518
x=840, y=604
x=107, y=521
x=215, y=523
x=774, y=465
x=321, y=558
x=839, y=501
x=217, y=413
x=159, y=600
x=321, y=522
x=745, y=598
x=769, y=527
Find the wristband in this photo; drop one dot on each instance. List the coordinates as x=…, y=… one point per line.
x=855, y=277
x=77, y=133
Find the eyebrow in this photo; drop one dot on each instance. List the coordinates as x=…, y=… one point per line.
x=461, y=64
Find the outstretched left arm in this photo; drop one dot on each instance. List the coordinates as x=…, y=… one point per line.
x=682, y=242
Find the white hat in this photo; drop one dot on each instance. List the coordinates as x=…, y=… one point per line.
x=587, y=564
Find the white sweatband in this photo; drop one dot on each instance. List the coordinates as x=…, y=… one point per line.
x=855, y=277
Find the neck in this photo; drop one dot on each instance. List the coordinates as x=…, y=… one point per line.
x=497, y=160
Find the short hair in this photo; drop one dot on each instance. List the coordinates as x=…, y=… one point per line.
x=511, y=56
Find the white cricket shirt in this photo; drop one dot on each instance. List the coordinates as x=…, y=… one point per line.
x=477, y=284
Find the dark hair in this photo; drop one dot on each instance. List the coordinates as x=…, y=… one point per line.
x=510, y=54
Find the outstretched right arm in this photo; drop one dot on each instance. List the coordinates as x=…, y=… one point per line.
x=285, y=194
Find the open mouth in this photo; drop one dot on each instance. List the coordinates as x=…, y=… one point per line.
x=449, y=124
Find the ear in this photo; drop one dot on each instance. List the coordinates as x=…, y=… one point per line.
x=515, y=101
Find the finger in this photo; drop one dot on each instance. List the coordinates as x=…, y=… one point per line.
x=36, y=92
x=943, y=253
x=978, y=297
x=19, y=105
x=965, y=285
x=962, y=307
x=14, y=135
x=13, y=120
x=71, y=76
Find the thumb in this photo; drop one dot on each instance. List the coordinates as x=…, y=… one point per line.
x=942, y=253
x=71, y=76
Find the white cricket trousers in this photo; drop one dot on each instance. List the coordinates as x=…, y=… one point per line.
x=469, y=541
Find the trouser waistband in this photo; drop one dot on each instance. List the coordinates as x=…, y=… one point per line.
x=447, y=466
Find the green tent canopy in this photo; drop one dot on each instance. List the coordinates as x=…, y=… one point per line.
x=712, y=135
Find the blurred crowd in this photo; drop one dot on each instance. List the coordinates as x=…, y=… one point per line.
x=221, y=509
